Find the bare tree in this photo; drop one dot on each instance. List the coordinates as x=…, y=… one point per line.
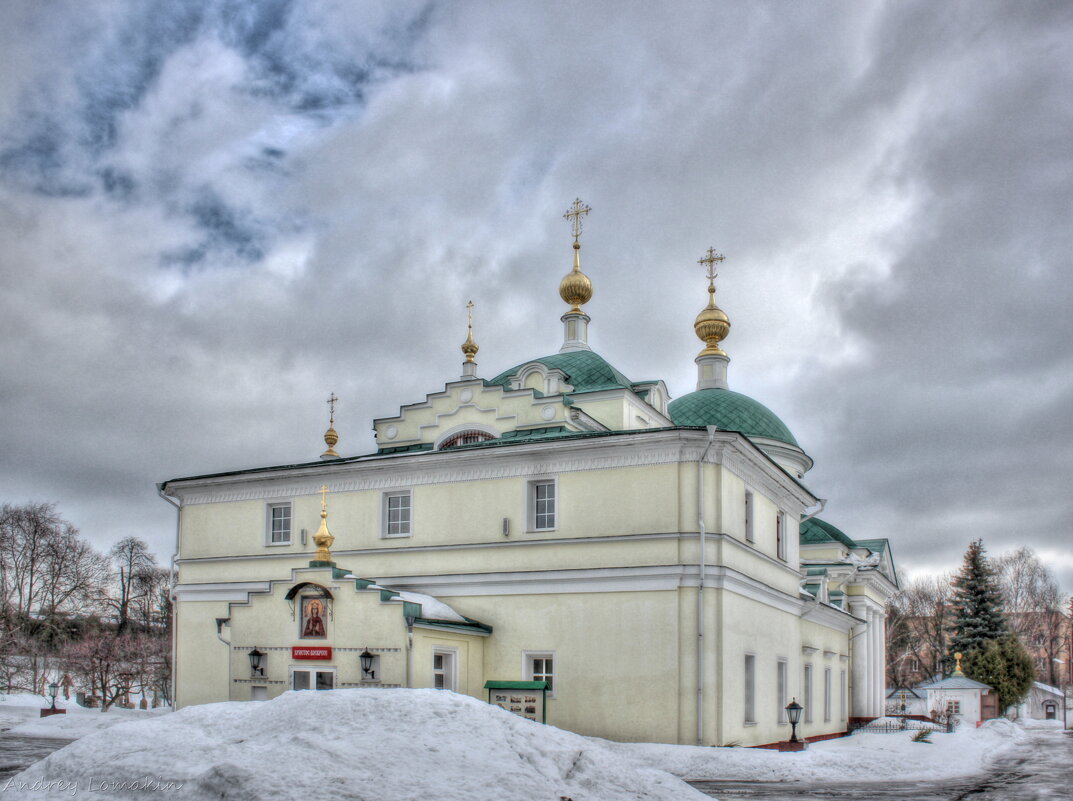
x=134, y=564
x=918, y=626
x=1034, y=607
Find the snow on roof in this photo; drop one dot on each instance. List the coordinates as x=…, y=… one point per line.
x=402, y=745
x=956, y=683
x=431, y=608
x=1039, y=685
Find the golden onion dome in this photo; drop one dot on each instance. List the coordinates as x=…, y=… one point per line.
x=469, y=347
x=712, y=326
x=576, y=288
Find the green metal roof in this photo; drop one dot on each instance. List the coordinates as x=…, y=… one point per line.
x=492, y=684
x=815, y=530
x=730, y=411
x=586, y=371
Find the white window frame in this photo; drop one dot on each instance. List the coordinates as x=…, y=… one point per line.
x=749, y=690
x=269, y=510
x=385, y=514
x=449, y=671
x=750, y=533
x=528, y=669
x=782, y=689
x=531, y=503
x=808, y=692
x=780, y=536
x=842, y=694
x=826, y=694
x=313, y=671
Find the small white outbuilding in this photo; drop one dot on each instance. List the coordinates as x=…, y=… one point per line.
x=957, y=695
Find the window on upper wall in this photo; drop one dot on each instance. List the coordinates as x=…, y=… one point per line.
x=540, y=666
x=279, y=524
x=541, y=503
x=842, y=694
x=807, y=693
x=397, y=514
x=466, y=438
x=780, y=536
x=749, y=537
x=750, y=689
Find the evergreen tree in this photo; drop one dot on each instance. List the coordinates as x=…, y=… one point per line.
x=977, y=603
x=1006, y=666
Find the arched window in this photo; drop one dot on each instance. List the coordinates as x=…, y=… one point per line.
x=466, y=438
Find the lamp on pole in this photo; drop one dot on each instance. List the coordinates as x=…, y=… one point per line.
x=793, y=714
x=53, y=688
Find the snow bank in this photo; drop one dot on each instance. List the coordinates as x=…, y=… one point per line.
x=387, y=745
x=862, y=757
x=19, y=715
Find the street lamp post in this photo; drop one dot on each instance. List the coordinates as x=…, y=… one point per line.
x=53, y=688
x=793, y=714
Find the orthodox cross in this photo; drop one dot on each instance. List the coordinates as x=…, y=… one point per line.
x=324, y=498
x=574, y=214
x=710, y=261
x=332, y=400
x=469, y=312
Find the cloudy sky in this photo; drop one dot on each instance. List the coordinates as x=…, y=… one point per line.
x=213, y=214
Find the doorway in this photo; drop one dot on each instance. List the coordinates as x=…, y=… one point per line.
x=312, y=678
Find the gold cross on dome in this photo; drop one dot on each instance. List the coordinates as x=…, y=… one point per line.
x=324, y=497
x=574, y=214
x=332, y=400
x=710, y=261
x=469, y=312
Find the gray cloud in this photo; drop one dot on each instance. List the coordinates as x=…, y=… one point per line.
x=216, y=213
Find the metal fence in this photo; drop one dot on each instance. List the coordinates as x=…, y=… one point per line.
x=888, y=726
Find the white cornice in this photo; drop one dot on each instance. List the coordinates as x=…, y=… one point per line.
x=478, y=464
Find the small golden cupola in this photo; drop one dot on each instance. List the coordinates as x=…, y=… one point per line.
x=469, y=347
x=330, y=436
x=323, y=539
x=712, y=326
x=576, y=288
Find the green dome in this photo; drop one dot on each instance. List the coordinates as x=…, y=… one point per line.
x=816, y=530
x=730, y=411
x=585, y=370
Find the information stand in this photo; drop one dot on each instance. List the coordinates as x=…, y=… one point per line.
x=528, y=699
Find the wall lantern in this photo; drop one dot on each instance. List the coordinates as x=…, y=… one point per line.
x=52, y=690
x=367, y=664
x=256, y=660
x=793, y=714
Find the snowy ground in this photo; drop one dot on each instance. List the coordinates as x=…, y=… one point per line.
x=415, y=745
x=20, y=715
x=862, y=757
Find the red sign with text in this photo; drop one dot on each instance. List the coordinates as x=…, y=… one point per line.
x=306, y=652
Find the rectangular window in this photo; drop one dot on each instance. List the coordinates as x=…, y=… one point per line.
x=749, y=516
x=827, y=693
x=310, y=679
x=279, y=524
x=397, y=514
x=842, y=694
x=807, y=694
x=542, y=505
x=781, y=689
x=443, y=670
x=541, y=667
x=780, y=536
x=750, y=689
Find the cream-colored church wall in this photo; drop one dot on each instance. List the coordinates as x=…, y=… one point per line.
x=615, y=656
x=770, y=635
x=589, y=503
x=201, y=660
x=468, y=651
x=868, y=591
x=823, y=648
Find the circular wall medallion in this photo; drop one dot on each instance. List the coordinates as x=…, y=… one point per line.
x=547, y=412
x=391, y=432
x=466, y=395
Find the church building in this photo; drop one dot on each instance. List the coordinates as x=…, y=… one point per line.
x=559, y=539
